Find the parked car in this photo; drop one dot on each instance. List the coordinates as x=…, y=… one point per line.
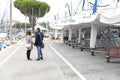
x=21, y=35
x=7, y=42
x=2, y=45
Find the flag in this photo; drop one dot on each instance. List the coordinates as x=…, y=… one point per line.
x=2, y=19
x=69, y=11
x=55, y=18
x=57, y=15
x=95, y=7
x=83, y=4
x=4, y=12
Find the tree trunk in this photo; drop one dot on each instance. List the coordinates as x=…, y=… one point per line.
x=32, y=20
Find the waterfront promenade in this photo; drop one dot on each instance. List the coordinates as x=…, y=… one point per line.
x=61, y=62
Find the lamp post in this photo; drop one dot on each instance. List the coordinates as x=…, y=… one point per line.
x=25, y=21
x=10, y=21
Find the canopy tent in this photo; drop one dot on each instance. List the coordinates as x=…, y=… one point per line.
x=83, y=22
x=112, y=17
x=56, y=25
x=41, y=28
x=3, y=35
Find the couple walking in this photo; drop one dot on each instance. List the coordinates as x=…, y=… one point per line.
x=38, y=43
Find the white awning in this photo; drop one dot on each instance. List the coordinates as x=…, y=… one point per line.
x=41, y=28
x=112, y=17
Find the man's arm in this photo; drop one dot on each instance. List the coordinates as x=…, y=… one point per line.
x=36, y=40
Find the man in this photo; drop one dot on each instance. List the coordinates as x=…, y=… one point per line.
x=38, y=42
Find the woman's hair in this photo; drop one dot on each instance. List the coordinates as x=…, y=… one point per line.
x=28, y=32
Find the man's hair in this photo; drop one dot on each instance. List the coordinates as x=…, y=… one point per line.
x=38, y=29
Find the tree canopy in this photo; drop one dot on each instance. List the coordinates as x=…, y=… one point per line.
x=33, y=9
x=21, y=25
x=45, y=24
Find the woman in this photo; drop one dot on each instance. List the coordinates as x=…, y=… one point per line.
x=29, y=40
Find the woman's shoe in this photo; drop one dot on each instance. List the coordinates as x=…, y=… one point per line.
x=29, y=59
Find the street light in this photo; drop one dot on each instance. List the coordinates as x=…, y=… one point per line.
x=25, y=20
x=10, y=21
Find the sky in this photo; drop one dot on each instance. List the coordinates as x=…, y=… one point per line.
x=57, y=7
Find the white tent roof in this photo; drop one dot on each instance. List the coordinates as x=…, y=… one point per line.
x=100, y=19
x=3, y=35
x=112, y=17
x=41, y=28
x=85, y=22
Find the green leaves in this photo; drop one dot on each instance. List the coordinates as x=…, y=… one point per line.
x=21, y=25
x=33, y=9
x=26, y=7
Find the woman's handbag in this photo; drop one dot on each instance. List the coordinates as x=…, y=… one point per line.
x=28, y=45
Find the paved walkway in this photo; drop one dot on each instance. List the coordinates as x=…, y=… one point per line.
x=61, y=62
x=91, y=67
x=15, y=66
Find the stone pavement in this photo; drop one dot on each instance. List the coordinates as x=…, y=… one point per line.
x=15, y=66
x=91, y=67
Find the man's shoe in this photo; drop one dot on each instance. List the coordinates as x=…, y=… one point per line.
x=41, y=58
x=38, y=59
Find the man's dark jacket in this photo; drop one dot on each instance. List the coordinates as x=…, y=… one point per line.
x=38, y=38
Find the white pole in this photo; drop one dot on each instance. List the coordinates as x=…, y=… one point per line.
x=93, y=36
x=32, y=19
x=79, y=39
x=47, y=27
x=70, y=33
x=25, y=20
x=10, y=21
x=56, y=33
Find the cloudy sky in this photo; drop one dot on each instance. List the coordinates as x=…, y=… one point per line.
x=57, y=7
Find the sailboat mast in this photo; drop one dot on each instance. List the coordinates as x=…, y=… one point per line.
x=71, y=8
x=11, y=21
